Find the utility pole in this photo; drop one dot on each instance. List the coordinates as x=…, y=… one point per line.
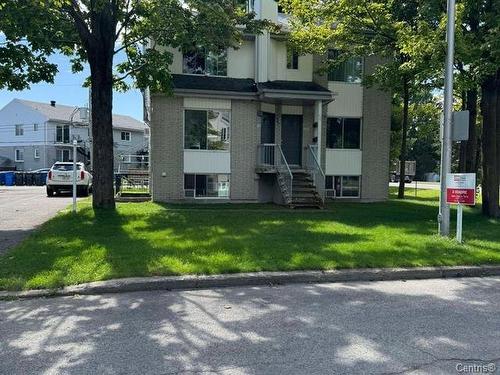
x=444, y=208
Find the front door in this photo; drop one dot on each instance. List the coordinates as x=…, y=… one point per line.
x=291, y=138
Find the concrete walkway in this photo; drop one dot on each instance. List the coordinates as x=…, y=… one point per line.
x=22, y=209
x=413, y=327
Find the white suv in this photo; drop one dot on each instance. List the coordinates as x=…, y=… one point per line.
x=60, y=178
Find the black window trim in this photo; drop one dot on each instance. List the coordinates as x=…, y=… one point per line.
x=360, y=133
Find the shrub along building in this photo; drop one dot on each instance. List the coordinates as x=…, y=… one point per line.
x=260, y=124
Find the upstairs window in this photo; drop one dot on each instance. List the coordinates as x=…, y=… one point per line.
x=19, y=130
x=349, y=71
x=343, y=133
x=62, y=133
x=203, y=62
x=35, y=127
x=292, y=59
x=125, y=136
x=207, y=130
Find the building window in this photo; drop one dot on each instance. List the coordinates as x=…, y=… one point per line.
x=64, y=155
x=203, y=62
x=125, y=136
x=19, y=155
x=206, y=185
x=292, y=59
x=349, y=70
x=207, y=130
x=35, y=127
x=342, y=186
x=62, y=133
x=343, y=133
x=37, y=153
x=19, y=130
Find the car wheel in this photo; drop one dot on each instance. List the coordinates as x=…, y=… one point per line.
x=86, y=191
x=50, y=192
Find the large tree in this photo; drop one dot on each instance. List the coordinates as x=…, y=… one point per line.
x=478, y=62
x=94, y=32
x=403, y=33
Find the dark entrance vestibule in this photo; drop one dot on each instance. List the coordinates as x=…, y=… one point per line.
x=291, y=138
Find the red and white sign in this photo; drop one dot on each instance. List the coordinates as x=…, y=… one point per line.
x=461, y=188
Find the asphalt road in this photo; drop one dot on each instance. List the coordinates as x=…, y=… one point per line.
x=417, y=327
x=23, y=208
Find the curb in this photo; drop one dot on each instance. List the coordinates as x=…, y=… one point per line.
x=139, y=284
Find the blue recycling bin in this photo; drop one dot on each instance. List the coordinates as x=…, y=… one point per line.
x=10, y=178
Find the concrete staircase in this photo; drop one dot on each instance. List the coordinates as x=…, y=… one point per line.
x=304, y=193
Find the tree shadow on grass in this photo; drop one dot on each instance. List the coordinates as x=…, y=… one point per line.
x=153, y=239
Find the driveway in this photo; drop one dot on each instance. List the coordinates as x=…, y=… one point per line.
x=22, y=209
x=396, y=327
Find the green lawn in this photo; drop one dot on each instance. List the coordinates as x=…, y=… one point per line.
x=152, y=239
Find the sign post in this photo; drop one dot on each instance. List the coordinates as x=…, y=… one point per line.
x=74, y=175
x=461, y=190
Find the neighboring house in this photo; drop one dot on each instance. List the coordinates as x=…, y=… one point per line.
x=35, y=135
x=258, y=123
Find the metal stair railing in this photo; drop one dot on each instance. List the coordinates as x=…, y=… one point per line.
x=314, y=168
x=285, y=174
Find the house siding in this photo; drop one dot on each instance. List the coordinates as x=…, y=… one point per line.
x=376, y=140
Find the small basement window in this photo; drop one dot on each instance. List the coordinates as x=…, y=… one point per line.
x=342, y=186
x=206, y=186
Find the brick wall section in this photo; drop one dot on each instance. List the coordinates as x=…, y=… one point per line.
x=167, y=148
x=308, y=132
x=245, y=136
x=376, y=140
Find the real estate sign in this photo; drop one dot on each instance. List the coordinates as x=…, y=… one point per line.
x=461, y=188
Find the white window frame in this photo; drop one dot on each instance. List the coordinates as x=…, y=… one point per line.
x=343, y=127
x=36, y=153
x=19, y=130
x=335, y=196
x=62, y=127
x=126, y=133
x=205, y=174
x=205, y=72
x=60, y=152
x=228, y=134
x=20, y=150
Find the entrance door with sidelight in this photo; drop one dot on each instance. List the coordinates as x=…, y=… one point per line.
x=291, y=138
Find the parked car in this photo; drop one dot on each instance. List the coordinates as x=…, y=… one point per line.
x=60, y=178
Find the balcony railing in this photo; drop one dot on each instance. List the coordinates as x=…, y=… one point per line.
x=266, y=155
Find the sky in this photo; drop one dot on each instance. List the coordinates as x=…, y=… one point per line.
x=67, y=89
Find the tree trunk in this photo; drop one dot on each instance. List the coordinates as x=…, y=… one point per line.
x=100, y=55
x=102, y=138
x=404, y=136
x=490, y=155
x=462, y=154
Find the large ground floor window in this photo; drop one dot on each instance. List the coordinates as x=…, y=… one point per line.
x=206, y=185
x=342, y=186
